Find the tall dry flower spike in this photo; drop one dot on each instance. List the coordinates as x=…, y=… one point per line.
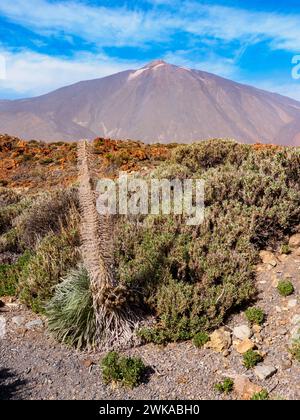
x=115, y=321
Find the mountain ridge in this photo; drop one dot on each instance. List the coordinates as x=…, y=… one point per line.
x=159, y=102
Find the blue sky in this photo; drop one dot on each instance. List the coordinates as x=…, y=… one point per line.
x=47, y=44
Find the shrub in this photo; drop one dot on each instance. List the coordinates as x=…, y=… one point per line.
x=251, y=358
x=9, y=275
x=54, y=256
x=285, y=288
x=262, y=395
x=128, y=371
x=200, y=339
x=48, y=214
x=255, y=315
x=70, y=312
x=295, y=350
x=192, y=278
x=225, y=387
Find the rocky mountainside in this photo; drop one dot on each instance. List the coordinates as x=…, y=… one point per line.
x=157, y=103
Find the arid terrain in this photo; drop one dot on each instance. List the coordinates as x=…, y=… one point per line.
x=217, y=302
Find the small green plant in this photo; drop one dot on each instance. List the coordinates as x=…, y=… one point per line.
x=285, y=249
x=225, y=387
x=295, y=350
x=251, y=358
x=259, y=396
x=255, y=315
x=200, y=339
x=70, y=313
x=128, y=371
x=285, y=288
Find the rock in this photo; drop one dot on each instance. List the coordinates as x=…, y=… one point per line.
x=264, y=372
x=245, y=388
x=292, y=303
x=32, y=325
x=18, y=320
x=245, y=345
x=242, y=332
x=256, y=328
x=286, y=363
x=268, y=257
x=296, y=320
x=297, y=252
x=295, y=334
x=220, y=340
x=2, y=304
x=2, y=327
x=294, y=241
x=282, y=257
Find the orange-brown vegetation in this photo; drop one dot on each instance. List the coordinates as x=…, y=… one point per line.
x=34, y=165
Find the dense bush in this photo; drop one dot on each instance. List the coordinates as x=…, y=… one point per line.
x=251, y=358
x=285, y=288
x=70, y=312
x=53, y=257
x=127, y=371
x=225, y=387
x=193, y=277
x=261, y=396
x=255, y=316
x=48, y=214
x=10, y=273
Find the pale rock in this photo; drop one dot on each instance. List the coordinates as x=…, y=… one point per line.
x=295, y=334
x=268, y=257
x=18, y=320
x=220, y=340
x=243, y=346
x=244, y=388
x=256, y=328
x=242, y=332
x=2, y=327
x=264, y=372
x=294, y=241
x=286, y=363
x=282, y=257
x=292, y=303
x=296, y=319
x=297, y=252
x=37, y=323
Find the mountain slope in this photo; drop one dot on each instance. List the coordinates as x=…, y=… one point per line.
x=158, y=103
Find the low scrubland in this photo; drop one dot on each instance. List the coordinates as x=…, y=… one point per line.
x=189, y=278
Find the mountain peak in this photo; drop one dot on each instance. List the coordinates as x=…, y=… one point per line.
x=155, y=63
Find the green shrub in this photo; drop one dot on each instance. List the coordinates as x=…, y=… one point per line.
x=49, y=213
x=295, y=350
x=200, y=339
x=251, y=358
x=70, y=312
x=255, y=316
x=53, y=257
x=225, y=387
x=285, y=288
x=127, y=371
x=9, y=275
x=262, y=395
x=192, y=278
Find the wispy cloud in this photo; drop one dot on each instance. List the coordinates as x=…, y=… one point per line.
x=30, y=74
x=132, y=26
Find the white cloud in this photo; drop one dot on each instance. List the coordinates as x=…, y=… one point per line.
x=30, y=74
x=124, y=26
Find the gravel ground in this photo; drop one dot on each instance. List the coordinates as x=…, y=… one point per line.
x=34, y=366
